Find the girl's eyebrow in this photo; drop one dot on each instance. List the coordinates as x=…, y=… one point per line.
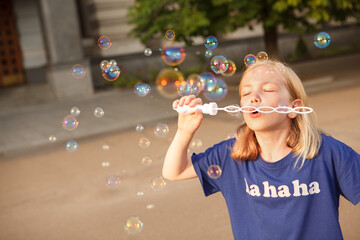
x=263, y=83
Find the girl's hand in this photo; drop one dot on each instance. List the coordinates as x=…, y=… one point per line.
x=191, y=122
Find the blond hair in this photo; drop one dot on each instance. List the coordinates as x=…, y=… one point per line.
x=304, y=137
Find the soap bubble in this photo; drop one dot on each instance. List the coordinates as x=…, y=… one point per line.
x=173, y=55
x=113, y=181
x=78, y=71
x=146, y=161
x=113, y=62
x=168, y=81
x=99, y=112
x=144, y=142
x=70, y=123
x=196, y=144
x=142, y=89
x=249, y=59
x=150, y=206
x=139, y=128
x=231, y=69
x=214, y=171
x=133, y=225
x=170, y=35
x=322, y=40
x=140, y=193
x=158, y=184
x=208, y=53
x=219, y=64
x=105, y=147
x=161, y=130
x=72, y=146
x=75, y=111
x=52, y=138
x=184, y=89
x=192, y=85
x=208, y=81
x=218, y=92
x=112, y=73
x=147, y=52
x=262, y=55
x=105, y=164
x=104, y=42
x=211, y=42
x=104, y=65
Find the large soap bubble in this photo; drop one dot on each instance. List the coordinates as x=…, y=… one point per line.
x=168, y=81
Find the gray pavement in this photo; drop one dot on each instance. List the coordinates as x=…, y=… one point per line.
x=27, y=127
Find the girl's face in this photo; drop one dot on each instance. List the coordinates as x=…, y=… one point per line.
x=264, y=86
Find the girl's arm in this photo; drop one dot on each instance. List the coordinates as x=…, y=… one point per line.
x=177, y=166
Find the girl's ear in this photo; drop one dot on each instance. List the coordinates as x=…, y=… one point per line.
x=294, y=104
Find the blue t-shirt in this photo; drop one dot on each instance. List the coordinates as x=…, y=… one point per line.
x=274, y=200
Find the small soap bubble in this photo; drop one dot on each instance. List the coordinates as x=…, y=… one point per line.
x=112, y=73
x=214, y=171
x=52, y=138
x=70, y=123
x=146, y=161
x=105, y=65
x=142, y=89
x=99, y=112
x=104, y=42
x=158, y=184
x=105, y=147
x=170, y=35
x=139, y=128
x=249, y=59
x=144, y=142
x=140, y=193
x=322, y=40
x=196, y=143
x=208, y=53
x=262, y=55
x=150, y=206
x=161, y=130
x=218, y=92
x=72, y=146
x=75, y=111
x=105, y=164
x=78, y=71
x=219, y=64
x=113, y=181
x=231, y=69
x=211, y=42
x=147, y=52
x=133, y=225
x=113, y=62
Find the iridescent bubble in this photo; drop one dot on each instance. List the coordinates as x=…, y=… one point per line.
x=139, y=128
x=99, y=112
x=158, y=184
x=105, y=147
x=113, y=181
x=170, y=35
x=184, y=89
x=105, y=164
x=249, y=59
x=173, y=55
x=70, y=123
x=262, y=55
x=168, y=81
x=219, y=64
x=72, y=146
x=161, y=130
x=192, y=85
x=211, y=42
x=146, y=161
x=147, y=52
x=112, y=73
x=231, y=69
x=208, y=53
x=78, y=71
x=142, y=89
x=214, y=171
x=105, y=65
x=75, y=111
x=196, y=144
x=144, y=142
x=133, y=225
x=113, y=62
x=218, y=92
x=208, y=81
x=52, y=138
x=322, y=40
x=104, y=42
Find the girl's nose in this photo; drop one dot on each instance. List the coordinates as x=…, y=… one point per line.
x=254, y=100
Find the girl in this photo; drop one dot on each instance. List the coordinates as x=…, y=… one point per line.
x=281, y=177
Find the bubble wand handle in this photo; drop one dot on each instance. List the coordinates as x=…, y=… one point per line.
x=207, y=108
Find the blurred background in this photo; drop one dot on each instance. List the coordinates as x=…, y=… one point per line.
x=86, y=88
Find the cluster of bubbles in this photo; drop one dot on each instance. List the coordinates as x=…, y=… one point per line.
x=322, y=40
x=109, y=69
x=251, y=59
x=133, y=225
x=104, y=42
x=142, y=89
x=78, y=71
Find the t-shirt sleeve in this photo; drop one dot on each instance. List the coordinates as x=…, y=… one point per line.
x=202, y=161
x=348, y=171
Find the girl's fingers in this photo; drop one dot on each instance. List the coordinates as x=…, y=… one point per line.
x=194, y=102
x=175, y=103
x=188, y=99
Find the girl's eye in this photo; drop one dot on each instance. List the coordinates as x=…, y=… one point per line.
x=269, y=90
x=247, y=93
